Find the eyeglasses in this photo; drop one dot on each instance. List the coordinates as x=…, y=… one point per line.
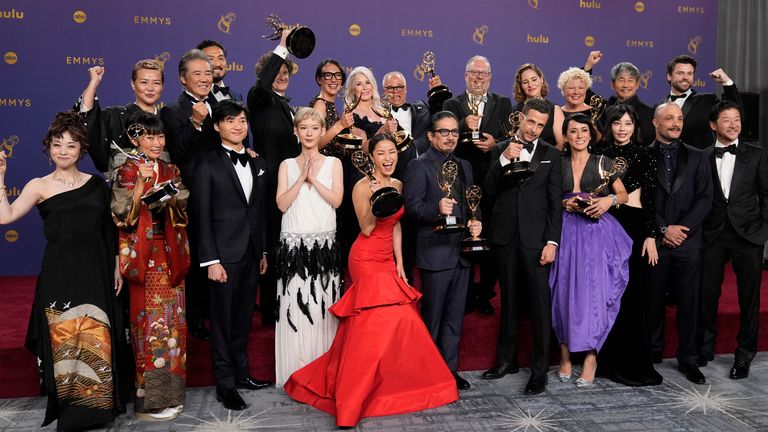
x=477, y=73
x=394, y=89
x=329, y=75
x=445, y=132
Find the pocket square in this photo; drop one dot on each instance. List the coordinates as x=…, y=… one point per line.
x=546, y=161
x=261, y=171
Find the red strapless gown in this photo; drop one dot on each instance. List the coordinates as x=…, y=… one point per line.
x=382, y=360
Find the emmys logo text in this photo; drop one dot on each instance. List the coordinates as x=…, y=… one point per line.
x=12, y=14
x=417, y=33
x=639, y=43
x=690, y=10
x=591, y=4
x=152, y=20
x=92, y=61
x=15, y=103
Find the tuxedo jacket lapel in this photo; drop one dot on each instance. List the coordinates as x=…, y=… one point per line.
x=680, y=169
x=661, y=170
x=464, y=104
x=716, y=176
x=490, y=104
x=230, y=168
x=535, y=160
x=740, y=166
x=690, y=101
x=255, y=174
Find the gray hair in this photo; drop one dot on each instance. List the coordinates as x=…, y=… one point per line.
x=474, y=59
x=571, y=74
x=350, y=86
x=391, y=74
x=625, y=68
x=193, y=54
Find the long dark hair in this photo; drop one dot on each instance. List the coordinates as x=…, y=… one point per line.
x=582, y=119
x=614, y=113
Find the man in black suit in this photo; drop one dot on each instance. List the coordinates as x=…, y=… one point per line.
x=683, y=200
x=271, y=120
x=735, y=230
x=696, y=106
x=625, y=80
x=444, y=273
x=414, y=118
x=189, y=132
x=229, y=210
x=491, y=121
x=525, y=231
x=218, y=56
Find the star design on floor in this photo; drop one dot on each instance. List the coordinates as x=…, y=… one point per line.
x=705, y=402
x=525, y=422
x=10, y=409
x=236, y=423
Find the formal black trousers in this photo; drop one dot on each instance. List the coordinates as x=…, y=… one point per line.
x=678, y=272
x=231, y=312
x=521, y=276
x=442, y=309
x=746, y=260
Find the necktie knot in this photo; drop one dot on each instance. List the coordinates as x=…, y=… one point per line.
x=238, y=157
x=398, y=108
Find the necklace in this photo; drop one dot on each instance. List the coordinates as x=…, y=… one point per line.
x=67, y=183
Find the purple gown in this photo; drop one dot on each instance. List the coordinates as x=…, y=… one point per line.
x=591, y=271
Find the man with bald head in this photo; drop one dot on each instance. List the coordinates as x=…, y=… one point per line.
x=683, y=200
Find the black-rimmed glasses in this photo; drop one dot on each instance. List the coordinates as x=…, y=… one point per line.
x=329, y=75
x=445, y=132
x=394, y=89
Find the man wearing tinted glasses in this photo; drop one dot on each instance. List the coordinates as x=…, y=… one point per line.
x=444, y=272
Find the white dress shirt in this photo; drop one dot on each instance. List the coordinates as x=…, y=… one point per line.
x=725, y=168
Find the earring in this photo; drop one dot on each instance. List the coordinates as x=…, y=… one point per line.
x=50, y=161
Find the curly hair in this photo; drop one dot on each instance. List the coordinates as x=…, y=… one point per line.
x=67, y=121
x=571, y=74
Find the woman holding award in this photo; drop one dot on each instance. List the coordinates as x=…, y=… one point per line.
x=530, y=83
x=626, y=356
x=361, y=89
x=382, y=361
x=309, y=189
x=591, y=270
x=331, y=78
x=149, y=207
x=75, y=327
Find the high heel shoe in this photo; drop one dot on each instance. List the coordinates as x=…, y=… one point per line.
x=583, y=382
x=564, y=378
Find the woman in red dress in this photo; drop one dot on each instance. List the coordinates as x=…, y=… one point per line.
x=382, y=360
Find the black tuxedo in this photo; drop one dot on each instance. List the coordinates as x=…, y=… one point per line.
x=527, y=214
x=735, y=229
x=105, y=127
x=683, y=200
x=271, y=124
x=494, y=122
x=229, y=229
x=444, y=272
x=420, y=117
x=696, y=131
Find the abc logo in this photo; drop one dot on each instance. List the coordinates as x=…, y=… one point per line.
x=294, y=69
x=589, y=41
x=11, y=236
x=10, y=57
x=639, y=7
x=79, y=17
x=354, y=30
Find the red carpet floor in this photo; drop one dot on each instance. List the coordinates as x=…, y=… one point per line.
x=19, y=377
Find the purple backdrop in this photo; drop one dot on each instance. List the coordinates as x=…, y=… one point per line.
x=48, y=46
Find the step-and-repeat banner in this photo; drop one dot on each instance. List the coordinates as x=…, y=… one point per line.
x=47, y=47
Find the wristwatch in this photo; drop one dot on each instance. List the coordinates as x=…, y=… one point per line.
x=663, y=229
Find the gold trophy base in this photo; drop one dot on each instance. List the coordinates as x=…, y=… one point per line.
x=518, y=170
x=349, y=141
x=448, y=224
x=470, y=137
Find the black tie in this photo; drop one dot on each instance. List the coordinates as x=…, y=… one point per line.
x=720, y=151
x=238, y=157
x=528, y=146
x=221, y=89
x=673, y=98
x=398, y=108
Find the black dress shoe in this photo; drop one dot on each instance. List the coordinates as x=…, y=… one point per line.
x=484, y=307
x=739, y=370
x=231, y=400
x=535, y=386
x=461, y=383
x=199, y=331
x=704, y=358
x=251, y=383
x=656, y=358
x=692, y=373
x=500, y=370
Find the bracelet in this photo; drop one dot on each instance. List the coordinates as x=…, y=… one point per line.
x=614, y=200
x=195, y=123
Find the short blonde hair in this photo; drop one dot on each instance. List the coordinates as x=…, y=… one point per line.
x=571, y=74
x=307, y=113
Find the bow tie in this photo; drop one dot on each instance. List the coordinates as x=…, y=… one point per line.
x=670, y=148
x=401, y=107
x=221, y=89
x=673, y=98
x=720, y=151
x=528, y=146
x=285, y=99
x=238, y=157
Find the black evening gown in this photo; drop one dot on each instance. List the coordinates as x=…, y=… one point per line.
x=626, y=357
x=75, y=322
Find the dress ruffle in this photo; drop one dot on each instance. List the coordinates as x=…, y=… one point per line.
x=394, y=291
